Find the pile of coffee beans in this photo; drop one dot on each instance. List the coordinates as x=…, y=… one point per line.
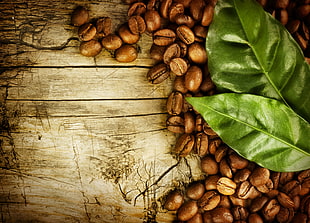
x=97, y=34
x=234, y=189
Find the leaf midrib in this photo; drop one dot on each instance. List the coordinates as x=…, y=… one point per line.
x=266, y=72
x=255, y=128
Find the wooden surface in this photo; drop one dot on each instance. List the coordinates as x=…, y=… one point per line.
x=82, y=139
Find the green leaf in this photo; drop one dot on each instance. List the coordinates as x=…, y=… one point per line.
x=260, y=129
x=251, y=52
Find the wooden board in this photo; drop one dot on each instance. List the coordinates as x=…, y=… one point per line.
x=82, y=139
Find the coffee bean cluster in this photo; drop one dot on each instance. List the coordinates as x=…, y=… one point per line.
x=97, y=34
x=234, y=189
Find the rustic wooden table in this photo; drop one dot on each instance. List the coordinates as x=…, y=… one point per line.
x=82, y=139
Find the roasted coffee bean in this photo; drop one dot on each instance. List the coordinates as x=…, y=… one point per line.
x=196, y=9
x=240, y=213
x=175, y=103
x=255, y=218
x=292, y=187
x=247, y=191
x=164, y=8
x=286, y=177
x=185, y=34
x=152, y=20
x=189, y=122
x=225, y=170
x=193, y=78
x=136, y=24
x=112, y=42
x=225, y=202
x=183, y=49
x=214, y=144
x=207, y=15
x=285, y=200
x=209, y=165
x=303, y=175
x=211, y=182
x=184, y=145
x=303, y=11
x=158, y=73
x=79, y=16
x=226, y=186
x=174, y=200
x=200, y=31
x=272, y=193
x=209, y=201
x=305, y=205
x=271, y=209
x=171, y=52
x=157, y=52
x=195, y=191
x=186, y=106
x=237, y=162
x=285, y=215
x=164, y=37
x=137, y=8
x=202, y=144
x=91, y=48
x=104, y=26
x=183, y=19
x=197, y=53
x=242, y=175
x=87, y=32
x=221, y=215
x=258, y=203
x=126, y=54
x=178, y=66
x=301, y=41
x=208, y=130
x=259, y=176
x=179, y=84
x=293, y=25
x=188, y=210
x=220, y=153
x=127, y=36
x=197, y=218
x=174, y=10
x=300, y=218
x=175, y=124
x=236, y=201
x=266, y=188
x=186, y=3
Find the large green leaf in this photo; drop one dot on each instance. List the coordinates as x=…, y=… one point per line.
x=251, y=52
x=260, y=129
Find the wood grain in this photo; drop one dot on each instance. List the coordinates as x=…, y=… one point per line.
x=82, y=139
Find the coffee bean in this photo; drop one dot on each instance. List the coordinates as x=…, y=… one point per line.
x=164, y=37
x=171, y=52
x=152, y=20
x=237, y=162
x=184, y=145
x=209, y=165
x=112, y=42
x=179, y=84
x=137, y=8
x=158, y=73
x=79, y=16
x=197, y=218
x=91, y=48
x=195, y=191
x=265, y=188
x=126, y=54
x=293, y=25
x=258, y=203
x=271, y=209
x=126, y=35
x=87, y=32
x=240, y=213
x=193, y=78
x=185, y=34
x=292, y=187
x=255, y=218
x=189, y=122
x=300, y=218
x=175, y=103
x=226, y=186
x=209, y=200
x=221, y=215
x=236, y=201
x=174, y=10
x=285, y=215
x=136, y=24
x=183, y=19
x=104, y=26
x=220, y=153
x=285, y=200
x=286, y=177
x=207, y=15
x=164, y=8
x=178, y=66
x=196, y=9
x=259, y=176
x=211, y=182
x=175, y=124
x=202, y=144
x=174, y=200
x=197, y=53
x=188, y=210
x=225, y=170
x=247, y=191
x=242, y=175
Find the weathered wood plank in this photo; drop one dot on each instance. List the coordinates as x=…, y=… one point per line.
x=83, y=83
x=38, y=33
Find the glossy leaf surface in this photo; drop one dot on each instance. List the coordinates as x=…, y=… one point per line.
x=260, y=129
x=251, y=52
